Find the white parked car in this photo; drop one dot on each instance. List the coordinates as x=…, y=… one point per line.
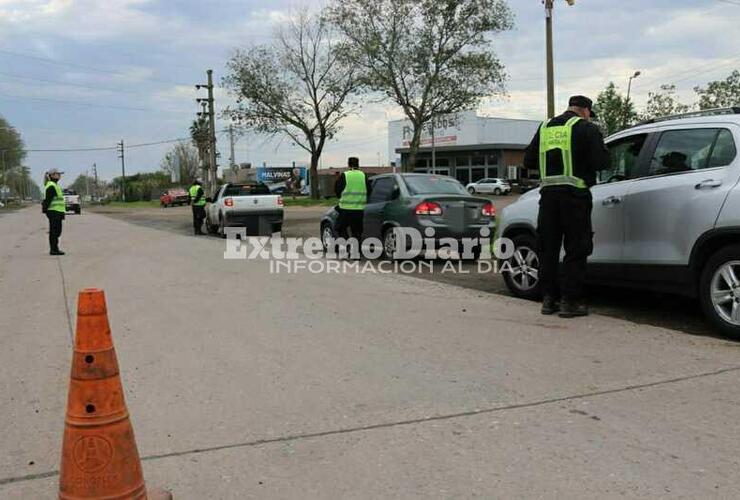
x=489, y=186
x=666, y=215
x=249, y=205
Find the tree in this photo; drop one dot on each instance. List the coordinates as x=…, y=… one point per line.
x=431, y=57
x=182, y=159
x=664, y=103
x=143, y=186
x=83, y=184
x=721, y=93
x=615, y=112
x=200, y=135
x=11, y=151
x=300, y=87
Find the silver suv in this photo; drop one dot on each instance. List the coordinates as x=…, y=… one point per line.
x=666, y=215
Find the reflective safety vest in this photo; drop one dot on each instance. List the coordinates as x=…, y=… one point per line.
x=193, y=193
x=354, y=196
x=57, y=203
x=559, y=137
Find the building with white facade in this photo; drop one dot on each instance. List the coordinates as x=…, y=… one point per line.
x=466, y=146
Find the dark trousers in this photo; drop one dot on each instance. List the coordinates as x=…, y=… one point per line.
x=199, y=214
x=55, y=228
x=351, y=219
x=564, y=220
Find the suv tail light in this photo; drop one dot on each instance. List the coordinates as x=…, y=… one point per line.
x=428, y=208
x=280, y=201
x=229, y=202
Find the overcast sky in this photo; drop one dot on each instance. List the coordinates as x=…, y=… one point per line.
x=88, y=73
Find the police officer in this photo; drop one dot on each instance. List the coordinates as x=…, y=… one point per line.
x=54, y=207
x=568, y=151
x=198, y=203
x=351, y=188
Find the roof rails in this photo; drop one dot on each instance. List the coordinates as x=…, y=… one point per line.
x=735, y=110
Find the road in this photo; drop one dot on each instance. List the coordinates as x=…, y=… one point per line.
x=642, y=307
x=246, y=384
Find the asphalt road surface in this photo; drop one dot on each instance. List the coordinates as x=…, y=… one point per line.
x=648, y=308
x=242, y=383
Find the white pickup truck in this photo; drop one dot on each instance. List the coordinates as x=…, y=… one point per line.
x=72, y=201
x=249, y=205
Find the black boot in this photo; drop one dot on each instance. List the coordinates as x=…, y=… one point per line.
x=56, y=251
x=572, y=309
x=549, y=305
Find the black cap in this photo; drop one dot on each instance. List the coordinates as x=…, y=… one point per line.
x=353, y=162
x=582, y=102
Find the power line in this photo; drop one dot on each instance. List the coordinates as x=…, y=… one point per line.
x=87, y=68
x=104, y=148
x=69, y=84
x=90, y=104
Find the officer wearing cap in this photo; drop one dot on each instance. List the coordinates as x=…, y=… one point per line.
x=198, y=203
x=568, y=150
x=55, y=208
x=352, y=188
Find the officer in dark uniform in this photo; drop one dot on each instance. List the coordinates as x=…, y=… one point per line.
x=352, y=189
x=568, y=151
x=198, y=203
x=54, y=206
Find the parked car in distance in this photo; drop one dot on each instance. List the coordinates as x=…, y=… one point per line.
x=666, y=215
x=417, y=201
x=249, y=205
x=489, y=186
x=174, y=196
x=72, y=201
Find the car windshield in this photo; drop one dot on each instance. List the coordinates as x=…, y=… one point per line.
x=432, y=184
x=69, y=192
x=246, y=189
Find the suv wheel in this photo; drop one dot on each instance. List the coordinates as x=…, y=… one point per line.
x=719, y=290
x=521, y=272
x=471, y=190
x=497, y=191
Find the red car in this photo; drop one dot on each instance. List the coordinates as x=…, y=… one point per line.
x=176, y=196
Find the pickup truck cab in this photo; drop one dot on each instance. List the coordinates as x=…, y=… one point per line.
x=249, y=205
x=72, y=201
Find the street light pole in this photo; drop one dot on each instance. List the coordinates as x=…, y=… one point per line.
x=549, y=4
x=627, y=101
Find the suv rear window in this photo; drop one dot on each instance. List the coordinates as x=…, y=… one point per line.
x=246, y=189
x=432, y=184
x=692, y=149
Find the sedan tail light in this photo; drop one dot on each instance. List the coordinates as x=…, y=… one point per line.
x=229, y=202
x=428, y=208
x=488, y=210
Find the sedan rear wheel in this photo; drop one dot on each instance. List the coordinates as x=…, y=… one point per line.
x=522, y=271
x=389, y=243
x=471, y=190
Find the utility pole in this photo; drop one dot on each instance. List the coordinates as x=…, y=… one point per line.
x=549, y=4
x=232, y=160
x=95, y=183
x=213, y=167
x=123, y=170
x=434, y=150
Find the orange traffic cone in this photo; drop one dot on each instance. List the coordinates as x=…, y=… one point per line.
x=99, y=455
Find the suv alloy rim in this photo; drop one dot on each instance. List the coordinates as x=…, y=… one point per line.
x=525, y=267
x=327, y=235
x=725, y=292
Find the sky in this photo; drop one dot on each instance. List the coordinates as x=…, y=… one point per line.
x=88, y=73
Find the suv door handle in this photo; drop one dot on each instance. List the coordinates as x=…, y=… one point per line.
x=709, y=183
x=612, y=200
